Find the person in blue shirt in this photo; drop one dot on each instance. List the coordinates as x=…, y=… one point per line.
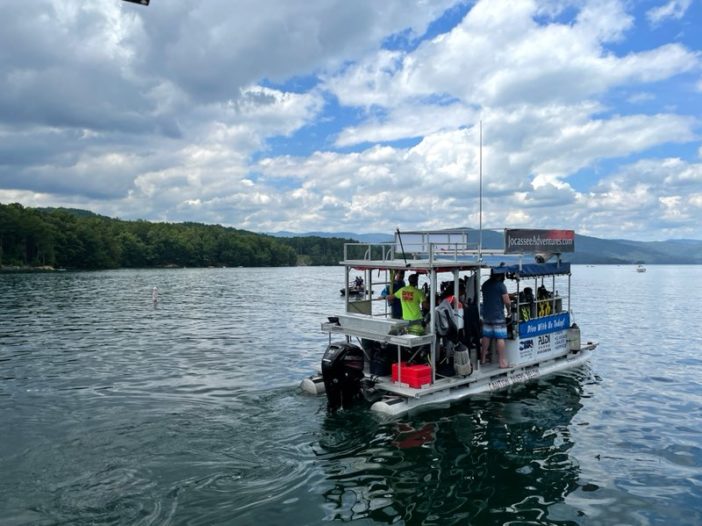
x=395, y=303
x=495, y=299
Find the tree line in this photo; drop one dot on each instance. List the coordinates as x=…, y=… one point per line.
x=78, y=239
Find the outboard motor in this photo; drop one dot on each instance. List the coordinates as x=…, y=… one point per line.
x=342, y=371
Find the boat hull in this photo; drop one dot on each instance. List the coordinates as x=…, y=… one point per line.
x=399, y=405
x=459, y=388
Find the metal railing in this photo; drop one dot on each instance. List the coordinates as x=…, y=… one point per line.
x=430, y=252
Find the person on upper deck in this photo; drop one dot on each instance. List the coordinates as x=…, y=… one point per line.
x=395, y=304
x=412, y=300
x=495, y=299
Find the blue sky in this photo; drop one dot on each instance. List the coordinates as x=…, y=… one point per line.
x=358, y=116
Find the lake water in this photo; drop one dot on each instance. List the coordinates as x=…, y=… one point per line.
x=116, y=412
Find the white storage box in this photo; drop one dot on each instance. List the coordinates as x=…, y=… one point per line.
x=368, y=324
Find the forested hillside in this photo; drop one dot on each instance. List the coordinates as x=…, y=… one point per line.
x=76, y=239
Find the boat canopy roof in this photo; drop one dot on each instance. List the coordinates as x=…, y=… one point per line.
x=418, y=266
x=446, y=251
x=532, y=270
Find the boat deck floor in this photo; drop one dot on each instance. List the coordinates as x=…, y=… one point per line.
x=489, y=371
x=442, y=382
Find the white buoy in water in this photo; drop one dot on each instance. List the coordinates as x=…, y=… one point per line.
x=154, y=295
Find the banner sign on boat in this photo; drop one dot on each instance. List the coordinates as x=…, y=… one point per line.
x=544, y=325
x=555, y=241
x=539, y=339
x=542, y=347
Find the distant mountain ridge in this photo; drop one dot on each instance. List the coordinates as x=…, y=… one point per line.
x=588, y=250
x=362, y=238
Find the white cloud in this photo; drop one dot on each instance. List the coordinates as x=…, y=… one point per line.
x=526, y=167
x=409, y=121
x=212, y=49
x=536, y=93
x=528, y=62
x=100, y=58
x=176, y=111
x=674, y=9
x=651, y=195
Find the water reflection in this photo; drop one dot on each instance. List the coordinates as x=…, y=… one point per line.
x=493, y=460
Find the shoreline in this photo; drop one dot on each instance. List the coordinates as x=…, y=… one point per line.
x=22, y=268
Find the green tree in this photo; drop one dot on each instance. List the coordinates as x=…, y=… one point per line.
x=79, y=239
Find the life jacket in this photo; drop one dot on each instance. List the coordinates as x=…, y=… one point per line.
x=544, y=308
x=525, y=312
x=526, y=304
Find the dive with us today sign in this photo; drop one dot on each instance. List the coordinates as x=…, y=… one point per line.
x=537, y=326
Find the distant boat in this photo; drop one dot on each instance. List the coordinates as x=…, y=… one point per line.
x=355, y=290
x=640, y=268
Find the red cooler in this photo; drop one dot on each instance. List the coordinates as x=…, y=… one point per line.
x=412, y=375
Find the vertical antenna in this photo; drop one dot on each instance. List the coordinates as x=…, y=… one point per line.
x=404, y=256
x=480, y=230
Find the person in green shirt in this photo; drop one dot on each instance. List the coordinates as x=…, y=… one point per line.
x=412, y=300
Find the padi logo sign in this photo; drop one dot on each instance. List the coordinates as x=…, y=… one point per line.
x=526, y=344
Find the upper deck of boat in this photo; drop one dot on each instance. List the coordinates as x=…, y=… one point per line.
x=417, y=265
x=421, y=251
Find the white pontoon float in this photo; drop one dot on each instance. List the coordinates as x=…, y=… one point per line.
x=377, y=359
